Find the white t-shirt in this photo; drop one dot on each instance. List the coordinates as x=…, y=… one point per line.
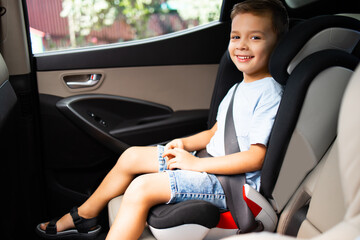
x=255, y=108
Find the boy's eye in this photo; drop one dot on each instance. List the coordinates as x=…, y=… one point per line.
x=235, y=37
x=255, y=37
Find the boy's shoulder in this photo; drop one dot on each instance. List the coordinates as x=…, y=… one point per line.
x=267, y=87
x=268, y=82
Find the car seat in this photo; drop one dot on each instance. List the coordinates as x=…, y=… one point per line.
x=334, y=207
x=282, y=141
x=8, y=101
x=311, y=99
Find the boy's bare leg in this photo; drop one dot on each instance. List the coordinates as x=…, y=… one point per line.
x=134, y=161
x=143, y=193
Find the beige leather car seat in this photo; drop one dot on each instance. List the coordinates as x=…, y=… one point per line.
x=334, y=209
x=8, y=100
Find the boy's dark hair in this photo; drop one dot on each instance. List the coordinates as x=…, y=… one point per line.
x=280, y=18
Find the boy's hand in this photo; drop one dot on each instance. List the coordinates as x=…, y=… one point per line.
x=179, y=159
x=176, y=143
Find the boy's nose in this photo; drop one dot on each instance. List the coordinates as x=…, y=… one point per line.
x=242, y=45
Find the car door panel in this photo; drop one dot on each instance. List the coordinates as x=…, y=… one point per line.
x=180, y=87
x=73, y=162
x=175, y=87
x=65, y=145
x=120, y=122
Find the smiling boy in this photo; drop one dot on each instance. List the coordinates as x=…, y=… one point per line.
x=172, y=173
x=252, y=41
x=254, y=33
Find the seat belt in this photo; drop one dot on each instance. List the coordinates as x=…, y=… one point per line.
x=230, y=140
x=233, y=184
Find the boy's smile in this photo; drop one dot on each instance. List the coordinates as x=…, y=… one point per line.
x=251, y=43
x=244, y=58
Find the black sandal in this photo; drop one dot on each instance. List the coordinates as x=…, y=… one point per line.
x=84, y=228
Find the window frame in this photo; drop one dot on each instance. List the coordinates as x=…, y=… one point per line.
x=179, y=48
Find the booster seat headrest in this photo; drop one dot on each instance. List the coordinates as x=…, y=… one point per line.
x=313, y=35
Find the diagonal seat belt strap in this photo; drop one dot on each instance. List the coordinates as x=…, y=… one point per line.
x=230, y=140
x=233, y=184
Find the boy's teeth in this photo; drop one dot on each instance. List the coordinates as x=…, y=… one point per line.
x=244, y=57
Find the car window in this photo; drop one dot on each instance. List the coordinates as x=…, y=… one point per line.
x=66, y=24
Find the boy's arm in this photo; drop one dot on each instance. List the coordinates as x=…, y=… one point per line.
x=193, y=143
x=236, y=163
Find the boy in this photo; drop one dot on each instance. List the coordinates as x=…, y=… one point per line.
x=171, y=173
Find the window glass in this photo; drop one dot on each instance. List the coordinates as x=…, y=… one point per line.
x=64, y=24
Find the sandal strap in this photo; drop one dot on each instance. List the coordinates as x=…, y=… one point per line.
x=83, y=225
x=51, y=227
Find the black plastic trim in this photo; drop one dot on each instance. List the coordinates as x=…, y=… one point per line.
x=111, y=110
x=296, y=221
x=178, y=124
x=119, y=122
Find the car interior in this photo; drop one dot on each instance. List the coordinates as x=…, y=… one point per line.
x=66, y=116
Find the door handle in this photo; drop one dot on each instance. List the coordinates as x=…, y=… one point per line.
x=90, y=82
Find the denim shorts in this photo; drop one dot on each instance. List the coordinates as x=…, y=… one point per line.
x=190, y=185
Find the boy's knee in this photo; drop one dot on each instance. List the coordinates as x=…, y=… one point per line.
x=149, y=189
x=139, y=190
x=128, y=158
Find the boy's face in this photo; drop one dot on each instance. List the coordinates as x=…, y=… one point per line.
x=252, y=40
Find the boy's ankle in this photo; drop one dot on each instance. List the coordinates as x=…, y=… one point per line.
x=84, y=213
